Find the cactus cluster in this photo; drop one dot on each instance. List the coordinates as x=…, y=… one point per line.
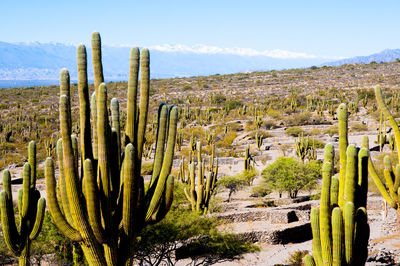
x=339, y=226
x=305, y=149
x=200, y=198
x=104, y=204
x=391, y=192
x=31, y=208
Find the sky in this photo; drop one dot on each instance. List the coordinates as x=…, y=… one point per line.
x=330, y=29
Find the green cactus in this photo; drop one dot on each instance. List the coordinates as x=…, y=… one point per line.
x=340, y=234
x=259, y=140
x=248, y=160
x=302, y=147
x=200, y=199
x=31, y=210
x=392, y=173
x=105, y=206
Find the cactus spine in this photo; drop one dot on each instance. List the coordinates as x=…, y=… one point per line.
x=31, y=210
x=340, y=237
x=105, y=206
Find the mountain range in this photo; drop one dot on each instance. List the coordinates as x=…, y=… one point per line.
x=43, y=61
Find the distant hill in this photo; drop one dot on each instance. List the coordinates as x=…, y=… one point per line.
x=388, y=55
x=38, y=61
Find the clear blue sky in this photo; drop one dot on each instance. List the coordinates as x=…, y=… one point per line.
x=323, y=28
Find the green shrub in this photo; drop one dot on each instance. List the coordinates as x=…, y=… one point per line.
x=232, y=183
x=294, y=131
x=359, y=127
x=261, y=190
x=232, y=104
x=187, y=88
x=296, y=258
x=185, y=234
x=287, y=174
x=332, y=130
x=218, y=99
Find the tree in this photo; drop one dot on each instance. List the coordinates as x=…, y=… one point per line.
x=233, y=183
x=287, y=174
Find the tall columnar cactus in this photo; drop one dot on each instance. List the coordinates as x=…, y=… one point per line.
x=340, y=234
x=259, y=140
x=248, y=160
x=105, y=205
x=391, y=172
x=31, y=210
x=200, y=198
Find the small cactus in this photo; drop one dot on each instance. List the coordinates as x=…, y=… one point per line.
x=31, y=210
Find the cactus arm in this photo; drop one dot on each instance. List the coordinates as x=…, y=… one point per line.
x=362, y=232
x=94, y=254
x=351, y=177
x=93, y=110
x=97, y=65
x=389, y=116
x=104, y=147
x=167, y=162
x=337, y=237
x=388, y=173
x=7, y=218
x=26, y=190
x=208, y=188
x=116, y=128
x=349, y=213
x=32, y=162
x=13, y=231
x=65, y=88
x=397, y=178
x=58, y=218
x=74, y=142
x=41, y=207
x=343, y=142
x=379, y=184
x=144, y=99
x=325, y=215
x=166, y=203
x=84, y=104
x=161, y=135
x=334, y=192
x=316, y=242
x=193, y=195
x=62, y=184
x=130, y=191
x=104, y=166
x=92, y=201
x=362, y=184
x=130, y=130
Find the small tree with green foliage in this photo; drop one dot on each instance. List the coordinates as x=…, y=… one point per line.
x=232, y=183
x=287, y=174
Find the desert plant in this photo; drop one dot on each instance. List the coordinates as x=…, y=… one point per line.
x=391, y=173
x=287, y=174
x=106, y=207
x=31, y=210
x=339, y=226
x=200, y=199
